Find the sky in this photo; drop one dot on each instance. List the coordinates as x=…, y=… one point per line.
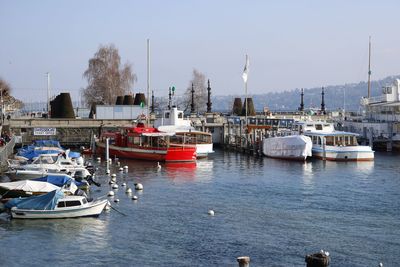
x=291, y=44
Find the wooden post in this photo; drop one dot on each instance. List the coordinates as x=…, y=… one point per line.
x=243, y=261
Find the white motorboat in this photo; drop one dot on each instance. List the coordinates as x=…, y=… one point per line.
x=46, y=163
x=329, y=144
x=293, y=147
x=172, y=121
x=25, y=188
x=55, y=205
x=25, y=174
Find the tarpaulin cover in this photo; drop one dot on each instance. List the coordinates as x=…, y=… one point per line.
x=29, y=186
x=42, y=202
x=288, y=146
x=59, y=180
x=44, y=147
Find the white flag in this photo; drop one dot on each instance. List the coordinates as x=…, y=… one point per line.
x=246, y=69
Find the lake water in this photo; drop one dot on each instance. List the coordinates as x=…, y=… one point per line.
x=274, y=211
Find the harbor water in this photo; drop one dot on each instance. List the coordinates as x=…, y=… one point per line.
x=274, y=211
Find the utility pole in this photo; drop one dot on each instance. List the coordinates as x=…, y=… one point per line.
x=48, y=95
x=369, y=68
x=148, y=81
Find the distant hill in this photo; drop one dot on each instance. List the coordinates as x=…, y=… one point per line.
x=290, y=100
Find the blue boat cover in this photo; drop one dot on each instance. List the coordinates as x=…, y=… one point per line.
x=48, y=143
x=30, y=152
x=43, y=202
x=59, y=180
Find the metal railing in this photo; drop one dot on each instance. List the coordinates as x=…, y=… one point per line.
x=5, y=152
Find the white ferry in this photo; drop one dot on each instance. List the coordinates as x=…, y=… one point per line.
x=329, y=144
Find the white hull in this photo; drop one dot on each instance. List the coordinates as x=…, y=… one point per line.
x=296, y=147
x=348, y=153
x=25, y=174
x=90, y=209
x=202, y=150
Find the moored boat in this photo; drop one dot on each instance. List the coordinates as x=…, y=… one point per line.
x=329, y=144
x=146, y=143
x=54, y=205
x=294, y=147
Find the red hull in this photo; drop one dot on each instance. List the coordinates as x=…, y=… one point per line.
x=171, y=154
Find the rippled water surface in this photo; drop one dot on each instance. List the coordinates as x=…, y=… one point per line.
x=274, y=211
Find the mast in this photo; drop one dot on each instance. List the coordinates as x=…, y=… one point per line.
x=148, y=81
x=48, y=95
x=369, y=68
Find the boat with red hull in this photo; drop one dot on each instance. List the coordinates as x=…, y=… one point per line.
x=147, y=143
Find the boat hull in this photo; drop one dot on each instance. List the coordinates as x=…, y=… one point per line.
x=171, y=154
x=92, y=210
x=355, y=153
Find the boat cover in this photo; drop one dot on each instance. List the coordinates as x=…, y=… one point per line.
x=43, y=202
x=59, y=180
x=295, y=146
x=29, y=186
x=44, y=147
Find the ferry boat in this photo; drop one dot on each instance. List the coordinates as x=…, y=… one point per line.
x=329, y=144
x=172, y=121
x=147, y=143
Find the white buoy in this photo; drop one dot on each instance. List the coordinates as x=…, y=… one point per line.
x=107, y=171
x=211, y=213
x=128, y=190
x=113, y=175
x=108, y=206
x=121, y=169
x=134, y=198
x=118, y=163
x=123, y=184
x=111, y=194
x=125, y=168
x=138, y=186
x=327, y=253
x=111, y=182
x=380, y=264
x=114, y=186
x=98, y=159
x=116, y=200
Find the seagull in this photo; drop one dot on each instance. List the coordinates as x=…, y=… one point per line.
x=158, y=165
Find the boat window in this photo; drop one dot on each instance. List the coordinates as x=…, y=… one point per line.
x=66, y=163
x=180, y=115
x=166, y=115
x=318, y=126
x=61, y=204
x=329, y=140
x=84, y=201
x=72, y=203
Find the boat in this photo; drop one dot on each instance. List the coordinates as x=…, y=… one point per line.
x=62, y=180
x=39, y=147
x=146, y=143
x=173, y=121
x=45, y=163
x=25, y=188
x=329, y=144
x=292, y=147
x=54, y=205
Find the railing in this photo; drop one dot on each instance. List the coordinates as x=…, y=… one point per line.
x=5, y=152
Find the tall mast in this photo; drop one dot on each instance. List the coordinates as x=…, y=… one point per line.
x=148, y=81
x=369, y=68
x=48, y=95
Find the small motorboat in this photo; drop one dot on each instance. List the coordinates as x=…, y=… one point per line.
x=54, y=205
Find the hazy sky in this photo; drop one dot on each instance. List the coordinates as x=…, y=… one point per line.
x=291, y=44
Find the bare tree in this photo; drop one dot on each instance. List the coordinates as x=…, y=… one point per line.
x=200, y=92
x=105, y=79
x=8, y=100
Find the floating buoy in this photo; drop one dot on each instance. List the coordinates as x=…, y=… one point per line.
x=126, y=168
x=114, y=186
x=110, y=160
x=98, y=159
x=113, y=175
x=128, y=190
x=111, y=194
x=118, y=163
x=111, y=182
x=107, y=171
x=134, y=198
x=116, y=200
x=211, y=213
x=380, y=264
x=121, y=169
x=123, y=184
x=138, y=186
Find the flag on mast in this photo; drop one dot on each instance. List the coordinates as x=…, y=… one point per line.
x=246, y=69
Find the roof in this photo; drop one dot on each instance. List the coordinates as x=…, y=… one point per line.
x=335, y=133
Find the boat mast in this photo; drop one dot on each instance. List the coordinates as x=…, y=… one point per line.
x=369, y=68
x=148, y=81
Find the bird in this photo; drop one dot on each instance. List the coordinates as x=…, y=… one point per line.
x=158, y=166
